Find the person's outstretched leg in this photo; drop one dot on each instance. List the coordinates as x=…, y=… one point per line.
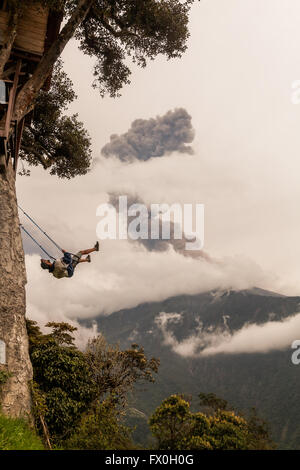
x=85, y=260
x=90, y=250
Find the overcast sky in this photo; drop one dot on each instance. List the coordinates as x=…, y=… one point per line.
x=235, y=82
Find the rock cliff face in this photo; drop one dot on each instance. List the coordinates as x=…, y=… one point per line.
x=15, y=400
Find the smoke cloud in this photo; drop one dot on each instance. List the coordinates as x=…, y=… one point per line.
x=161, y=244
x=155, y=137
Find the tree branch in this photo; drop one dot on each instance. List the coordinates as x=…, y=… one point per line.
x=46, y=163
x=117, y=34
x=36, y=155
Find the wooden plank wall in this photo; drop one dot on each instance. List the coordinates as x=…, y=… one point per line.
x=31, y=31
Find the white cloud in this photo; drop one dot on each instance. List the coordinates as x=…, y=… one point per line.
x=273, y=335
x=252, y=338
x=125, y=275
x=245, y=168
x=193, y=344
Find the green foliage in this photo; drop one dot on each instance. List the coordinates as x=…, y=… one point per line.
x=171, y=422
x=138, y=423
x=176, y=427
x=245, y=380
x=83, y=391
x=35, y=335
x=15, y=434
x=62, y=333
x=62, y=378
x=116, y=29
x=101, y=429
x=57, y=142
x=114, y=371
x=259, y=432
x=258, y=429
x=79, y=397
x=112, y=31
x=210, y=400
x=39, y=407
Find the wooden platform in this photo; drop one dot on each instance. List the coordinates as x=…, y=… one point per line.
x=32, y=29
x=37, y=29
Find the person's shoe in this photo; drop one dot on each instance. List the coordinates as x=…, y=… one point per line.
x=96, y=246
x=88, y=258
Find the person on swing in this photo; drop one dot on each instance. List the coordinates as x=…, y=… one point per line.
x=65, y=266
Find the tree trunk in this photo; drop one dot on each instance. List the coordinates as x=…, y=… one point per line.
x=10, y=37
x=30, y=90
x=16, y=397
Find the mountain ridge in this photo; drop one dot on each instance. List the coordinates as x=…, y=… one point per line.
x=268, y=381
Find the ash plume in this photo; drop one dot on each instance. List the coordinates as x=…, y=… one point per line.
x=160, y=244
x=155, y=137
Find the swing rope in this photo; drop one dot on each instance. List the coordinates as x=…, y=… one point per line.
x=40, y=246
x=49, y=238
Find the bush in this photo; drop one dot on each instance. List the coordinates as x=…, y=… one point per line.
x=84, y=391
x=15, y=434
x=101, y=429
x=175, y=427
x=62, y=380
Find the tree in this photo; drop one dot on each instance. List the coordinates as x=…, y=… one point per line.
x=210, y=400
x=76, y=393
x=15, y=397
x=114, y=371
x=175, y=427
x=171, y=422
x=110, y=31
x=258, y=429
x=57, y=142
x=62, y=378
x=101, y=429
